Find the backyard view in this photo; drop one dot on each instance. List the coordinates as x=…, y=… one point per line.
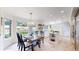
x=7, y=28
x=22, y=28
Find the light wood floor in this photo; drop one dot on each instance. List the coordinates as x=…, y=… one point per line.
x=61, y=44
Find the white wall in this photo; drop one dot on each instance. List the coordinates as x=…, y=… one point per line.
x=12, y=39
x=66, y=29
x=4, y=43
x=63, y=28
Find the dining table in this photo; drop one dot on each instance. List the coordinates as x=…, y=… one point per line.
x=33, y=41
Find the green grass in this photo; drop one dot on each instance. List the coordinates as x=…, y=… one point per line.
x=24, y=33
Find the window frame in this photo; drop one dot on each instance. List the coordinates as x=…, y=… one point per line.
x=10, y=28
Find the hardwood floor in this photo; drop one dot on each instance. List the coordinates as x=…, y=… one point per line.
x=61, y=44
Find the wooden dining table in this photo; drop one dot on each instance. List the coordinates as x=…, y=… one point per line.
x=33, y=41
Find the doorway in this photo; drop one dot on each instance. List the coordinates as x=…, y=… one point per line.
x=76, y=31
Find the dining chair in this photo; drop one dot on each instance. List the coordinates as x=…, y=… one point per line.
x=36, y=43
x=21, y=43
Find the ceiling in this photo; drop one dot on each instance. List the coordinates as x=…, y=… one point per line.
x=39, y=14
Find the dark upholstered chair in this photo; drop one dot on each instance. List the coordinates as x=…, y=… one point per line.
x=30, y=47
x=21, y=43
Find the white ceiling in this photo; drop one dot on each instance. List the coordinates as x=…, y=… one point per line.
x=40, y=14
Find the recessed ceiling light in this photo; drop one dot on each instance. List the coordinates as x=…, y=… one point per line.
x=62, y=11
x=59, y=18
x=50, y=15
x=63, y=16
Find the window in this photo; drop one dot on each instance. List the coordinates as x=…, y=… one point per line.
x=22, y=28
x=7, y=28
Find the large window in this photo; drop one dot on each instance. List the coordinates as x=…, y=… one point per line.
x=22, y=28
x=7, y=28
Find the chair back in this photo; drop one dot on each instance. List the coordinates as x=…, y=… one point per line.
x=19, y=37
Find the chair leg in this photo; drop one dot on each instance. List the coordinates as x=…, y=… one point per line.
x=32, y=47
x=21, y=48
x=38, y=43
x=24, y=48
x=18, y=47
